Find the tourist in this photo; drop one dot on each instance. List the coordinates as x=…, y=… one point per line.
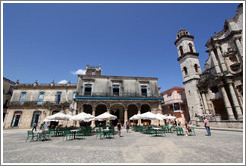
x=45, y=126
x=188, y=129
x=34, y=127
x=179, y=123
x=207, y=126
x=41, y=126
x=127, y=126
x=119, y=128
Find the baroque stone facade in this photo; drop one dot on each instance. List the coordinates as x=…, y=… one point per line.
x=218, y=91
x=94, y=93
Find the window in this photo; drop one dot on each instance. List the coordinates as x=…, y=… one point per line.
x=40, y=98
x=74, y=94
x=144, y=91
x=196, y=67
x=22, y=97
x=190, y=46
x=181, y=50
x=36, y=117
x=58, y=97
x=180, y=95
x=176, y=107
x=16, y=118
x=116, y=90
x=88, y=88
x=185, y=71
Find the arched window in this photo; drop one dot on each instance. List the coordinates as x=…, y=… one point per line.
x=181, y=50
x=58, y=97
x=22, y=97
x=190, y=46
x=185, y=70
x=40, y=98
x=196, y=67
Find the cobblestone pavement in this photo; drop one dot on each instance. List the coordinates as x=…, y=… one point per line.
x=133, y=147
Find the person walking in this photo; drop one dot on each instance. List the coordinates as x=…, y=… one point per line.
x=119, y=128
x=127, y=126
x=34, y=127
x=207, y=126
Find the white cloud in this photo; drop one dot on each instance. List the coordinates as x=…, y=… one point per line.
x=80, y=71
x=62, y=82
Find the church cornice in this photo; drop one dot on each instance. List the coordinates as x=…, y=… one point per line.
x=187, y=53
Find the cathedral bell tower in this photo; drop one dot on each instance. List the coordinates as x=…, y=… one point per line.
x=190, y=67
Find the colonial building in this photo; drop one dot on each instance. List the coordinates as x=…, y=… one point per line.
x=175, y=104
x=219, y=89
x=31, y=103
x=94, y=93
x=7, y=93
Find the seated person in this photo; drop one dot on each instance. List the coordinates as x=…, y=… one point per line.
x=188, y=129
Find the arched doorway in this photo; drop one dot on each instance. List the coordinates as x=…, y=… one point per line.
x=132, y=110
x=145, y=108
x=100, y=109
x=117, y=110
x=87, y=108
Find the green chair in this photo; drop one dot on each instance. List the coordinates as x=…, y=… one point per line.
x=179, y=131
x=67, y=133
x=192, y=130
x=80, y=134
x=99, y=133
x=44, y=135
x=31, y=135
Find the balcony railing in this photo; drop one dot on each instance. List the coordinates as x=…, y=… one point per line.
x=99, y=94
x=37, y=103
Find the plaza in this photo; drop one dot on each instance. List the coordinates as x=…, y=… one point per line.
x=133, y=147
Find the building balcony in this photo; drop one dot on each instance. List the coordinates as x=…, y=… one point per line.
x=167, y=102
x=25, y=104
x=118, y=96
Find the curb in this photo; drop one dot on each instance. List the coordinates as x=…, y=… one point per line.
x=223, y=129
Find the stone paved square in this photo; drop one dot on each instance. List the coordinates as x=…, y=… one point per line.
x=133, y=147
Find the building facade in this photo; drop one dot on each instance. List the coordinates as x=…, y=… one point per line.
x=7, y=93
x=218, y=91
x=94, y=93
x=31, y=103
x=175, y=104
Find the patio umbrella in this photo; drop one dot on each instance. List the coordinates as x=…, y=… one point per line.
x=105, y=116
x=162, y=116
x=150, y=116
x=171, y=117
x=83, y=117
x=135, y=117
x=58, y=116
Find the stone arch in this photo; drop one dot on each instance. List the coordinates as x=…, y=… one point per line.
x=117, y=109
x=132, y=110
x=87, y=108
x=100, y=109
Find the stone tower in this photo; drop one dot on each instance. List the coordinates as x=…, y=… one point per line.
x=190, y=67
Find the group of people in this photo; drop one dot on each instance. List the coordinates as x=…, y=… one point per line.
x=43, y=126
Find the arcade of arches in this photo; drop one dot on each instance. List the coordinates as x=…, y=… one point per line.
x=123, y=110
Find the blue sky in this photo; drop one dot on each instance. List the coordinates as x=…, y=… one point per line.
x=48, y=42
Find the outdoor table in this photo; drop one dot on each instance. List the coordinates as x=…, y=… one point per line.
x=156, y=129
x=74, y=132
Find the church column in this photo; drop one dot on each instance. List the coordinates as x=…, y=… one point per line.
x=239, y=46
x=94, y=114
x=125, y=116
x=235, y=101
x=205, y=102
x=226, y=102
x=139, y=120
x=221, y=58
x=216, y=66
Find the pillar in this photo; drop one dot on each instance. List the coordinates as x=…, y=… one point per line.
x=139, y=120
x=235, y=101
x=239, y=46
x=216, y=66
x=226, y=102
x=221, y=58
x=125, y=116
x=205, y=103
x=94, y=114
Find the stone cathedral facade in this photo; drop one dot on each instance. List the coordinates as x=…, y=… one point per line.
x=217, y=91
